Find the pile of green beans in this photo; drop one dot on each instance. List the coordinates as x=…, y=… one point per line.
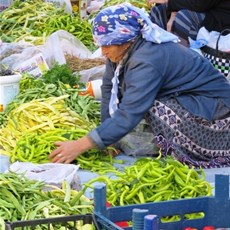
x=33, y=21
x=39, y=116
x=142, y=4
x=101, y=162
x=25, y=199
x=35, y=147
x=33, y=89
x=137, y=3
x=151, y=180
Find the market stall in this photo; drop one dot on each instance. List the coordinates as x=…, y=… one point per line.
x=49, y=65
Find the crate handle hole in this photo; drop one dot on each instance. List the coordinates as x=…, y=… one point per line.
x=174, y=218
x=194, y=215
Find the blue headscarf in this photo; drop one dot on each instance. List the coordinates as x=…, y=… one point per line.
x=118, y=24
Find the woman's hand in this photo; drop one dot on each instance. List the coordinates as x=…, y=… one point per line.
x=68, y=151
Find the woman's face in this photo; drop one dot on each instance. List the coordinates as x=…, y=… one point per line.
x=115, y=52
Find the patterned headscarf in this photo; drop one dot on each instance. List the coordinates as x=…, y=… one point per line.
x=118, y=24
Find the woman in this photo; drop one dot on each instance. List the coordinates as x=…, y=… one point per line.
x=149, y=75
x=186, y=17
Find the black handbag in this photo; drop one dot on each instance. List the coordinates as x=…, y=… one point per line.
x=219, y=59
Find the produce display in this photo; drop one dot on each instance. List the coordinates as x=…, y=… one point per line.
x=155, y=180
x=149, y=180
x=33, y=21
x=36, y=200
x=141, y=4
x=53, y=84
x=34, y=133
x=52, y=108
x=47, y=110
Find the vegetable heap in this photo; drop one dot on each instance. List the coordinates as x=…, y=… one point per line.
x=149, y=180
x=33, y=21
x=142, y=4
x=46, y=110
x=154, y=180
x=35, y=200
x=32, y=127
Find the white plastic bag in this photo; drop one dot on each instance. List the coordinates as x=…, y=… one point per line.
x=12, y=53
x=23, y=57
x=60, y=43
x=4, y=4
x=91, y=74
x=94, y=6
x=50, y=173
x=94, y=73
x=211, y=38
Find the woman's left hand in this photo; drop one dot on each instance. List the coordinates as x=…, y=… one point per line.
x=68, y=151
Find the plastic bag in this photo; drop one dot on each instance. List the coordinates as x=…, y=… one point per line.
x=94, y=73
x=50, y=173
x=23, y=57
x=211, y=38
x=139, y=142
x=5, y=163
x=11, y=53
x=4, y=4
x=60, y=43
x=94, y=6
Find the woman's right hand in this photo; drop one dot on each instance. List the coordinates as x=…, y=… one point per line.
x=68, y=151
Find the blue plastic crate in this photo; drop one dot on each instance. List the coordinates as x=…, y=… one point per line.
x=216, y=209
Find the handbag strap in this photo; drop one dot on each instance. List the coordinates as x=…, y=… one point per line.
x=218, y=39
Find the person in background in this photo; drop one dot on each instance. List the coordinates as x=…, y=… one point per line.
x=186, y=17
x=149, y=75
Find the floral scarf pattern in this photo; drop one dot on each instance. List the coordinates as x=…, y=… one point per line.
x=118, y=24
